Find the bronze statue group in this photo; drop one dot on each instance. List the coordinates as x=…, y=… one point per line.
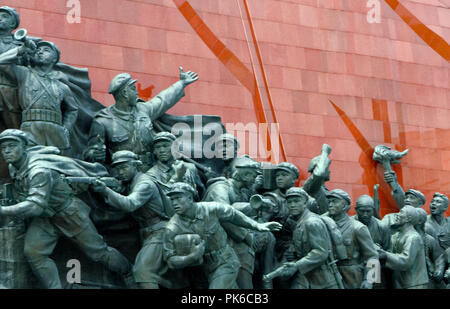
x=232, y=225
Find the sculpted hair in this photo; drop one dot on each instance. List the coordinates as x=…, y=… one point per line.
x=443, y=196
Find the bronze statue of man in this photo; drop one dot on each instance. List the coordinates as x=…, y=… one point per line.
x=237, y=190
x=143, y=199
x=381, y=235
x=434, y=254
x=319, y=167
x=312, y=245
x=226, y=147
x=286, y=174
x=127, y=125
x=49, y=110
x=219, y=261
x=437, y=224
x=9, y=105
x=411, y=197
x=168, y=170
x=357, y=240
x=49, y=201
x=406, y=256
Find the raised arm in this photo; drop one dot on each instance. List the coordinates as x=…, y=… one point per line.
x=397, y=191
x=320, y=171
x=169, y=97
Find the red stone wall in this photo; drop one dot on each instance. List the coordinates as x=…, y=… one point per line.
x=388, y=81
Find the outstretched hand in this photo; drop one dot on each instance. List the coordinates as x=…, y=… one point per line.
x=188, y=77
x=269, y=227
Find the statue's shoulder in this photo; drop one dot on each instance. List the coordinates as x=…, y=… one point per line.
x=105, y=113
x=357, y=225
x=217, y=181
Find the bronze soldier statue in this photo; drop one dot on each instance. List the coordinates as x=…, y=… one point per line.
x=286, y=174
x=49, y=202
x=357, y=240
x=237, y=190
x=406, y=256
x=168, y=170
x=205, y=219
x=127, y=125
x=9, y=105
x=381, y=234
x=226, y=147
x=437, y=224
x=143, y=199
x=49, y=110
x=434, y=254
x=411, y=197
x=313, y=247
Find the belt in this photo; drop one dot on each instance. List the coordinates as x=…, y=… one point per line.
x=212, y=255
x=42, y=115
x=146, y=231
x=347, y=263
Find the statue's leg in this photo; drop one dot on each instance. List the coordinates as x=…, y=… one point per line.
x=246, y=257
x=95, y=247
x=40, y=241
x=149, y=266
x=245, y=279
x=268, y=260
x=223, y=272
x=224, y=277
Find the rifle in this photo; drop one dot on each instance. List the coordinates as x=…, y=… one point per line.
x=279, y=272
x=201, y=167
x=109, y=181
x=334, y=270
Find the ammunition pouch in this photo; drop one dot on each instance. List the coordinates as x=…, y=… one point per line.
x=42, y=115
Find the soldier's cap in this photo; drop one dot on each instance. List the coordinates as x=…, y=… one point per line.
x=276, y=197
x=119, y=81
x=227, y=137
x=124, y=156
x=248, y=162
x=16, y=135
x=164, y=136
x=13, y=13
x=341, y=194
x=288, y=167
x=181, y=187
x=363, y=198
x=417, y=193
x=52, y=46
x=295, y=191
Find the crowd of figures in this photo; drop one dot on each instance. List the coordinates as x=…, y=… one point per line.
x=236, y=225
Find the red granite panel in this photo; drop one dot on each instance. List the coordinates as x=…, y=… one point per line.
x=312, y=52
